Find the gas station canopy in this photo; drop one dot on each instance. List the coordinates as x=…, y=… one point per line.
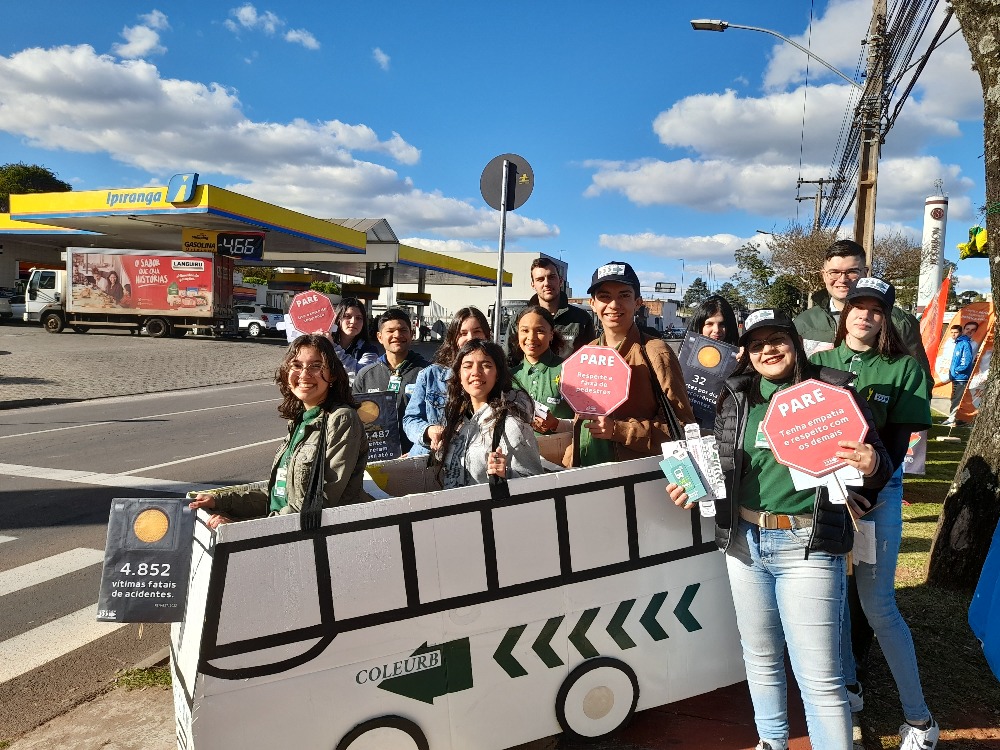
x=148, y=219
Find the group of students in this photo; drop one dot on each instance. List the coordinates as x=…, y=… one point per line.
x=475, y=409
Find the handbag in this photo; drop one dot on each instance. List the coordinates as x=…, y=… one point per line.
x=311, y=515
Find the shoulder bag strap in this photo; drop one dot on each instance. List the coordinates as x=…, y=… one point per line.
x=310, y=517
x=673, y=424
x=498, y=485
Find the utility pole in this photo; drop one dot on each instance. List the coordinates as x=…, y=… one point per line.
x=868, y=116
x=818, y=209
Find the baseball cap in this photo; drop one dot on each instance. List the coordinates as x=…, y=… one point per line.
x=766, y=319
x=616, y=270
x=869, y=286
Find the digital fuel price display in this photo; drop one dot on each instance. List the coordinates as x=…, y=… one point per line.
x=245, y=245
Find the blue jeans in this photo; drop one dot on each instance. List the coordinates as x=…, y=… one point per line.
x=877, y=591
x=781, y=596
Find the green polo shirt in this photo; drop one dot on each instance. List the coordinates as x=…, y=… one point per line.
x=895, y=389
x=766, y=485
x=541, y=382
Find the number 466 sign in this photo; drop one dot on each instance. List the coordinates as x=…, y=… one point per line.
x=146, y=561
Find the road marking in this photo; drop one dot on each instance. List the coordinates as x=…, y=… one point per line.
x=32, y=649
x=200, y=456
x=7, y=539
x=47, y=569
x=102, y=480
x=139, y=419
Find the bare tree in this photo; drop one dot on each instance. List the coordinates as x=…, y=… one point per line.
x=797, y=253
x=972, y=505
x=897, y=260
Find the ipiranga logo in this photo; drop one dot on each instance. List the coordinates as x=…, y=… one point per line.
x=147, y=197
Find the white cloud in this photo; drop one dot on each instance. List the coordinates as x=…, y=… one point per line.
x=143, y=39
x=974, y=283
x=718, y=246
x=447, y=247
x=381, y=59
x=247, y=17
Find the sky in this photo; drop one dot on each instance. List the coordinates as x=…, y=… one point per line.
x=649, y=142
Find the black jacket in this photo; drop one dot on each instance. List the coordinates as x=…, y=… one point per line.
x=832, y=530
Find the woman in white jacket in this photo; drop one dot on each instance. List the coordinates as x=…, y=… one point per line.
x=479, y=394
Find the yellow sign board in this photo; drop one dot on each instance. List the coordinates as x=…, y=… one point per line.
x=199, y=240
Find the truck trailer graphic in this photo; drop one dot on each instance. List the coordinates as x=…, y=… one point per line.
x=448, y=619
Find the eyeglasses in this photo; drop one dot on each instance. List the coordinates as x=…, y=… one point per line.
x=850, y=273
x=777, y=341
x=313, y=368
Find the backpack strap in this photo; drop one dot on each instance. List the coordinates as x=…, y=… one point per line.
x=498, y=485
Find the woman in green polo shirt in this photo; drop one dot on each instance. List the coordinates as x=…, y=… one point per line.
x=896, y=390
x=536, y=369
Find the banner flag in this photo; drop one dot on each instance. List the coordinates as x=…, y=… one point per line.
x=932, y=320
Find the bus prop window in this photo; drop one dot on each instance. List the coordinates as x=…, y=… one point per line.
x=527, y=542
x=375, y=582
x=450, y=556
x=656, y=530
x=598, y=533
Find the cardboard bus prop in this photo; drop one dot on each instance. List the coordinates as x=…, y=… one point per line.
x=448, y=620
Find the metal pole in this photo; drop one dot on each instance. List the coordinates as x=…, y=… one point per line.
x=498, y=310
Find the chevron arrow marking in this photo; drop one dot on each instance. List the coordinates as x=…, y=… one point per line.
x=504, y=654
x=543, y=646
x=648, y=618
x=683, y=609
x=579, y=635
x=615, y=629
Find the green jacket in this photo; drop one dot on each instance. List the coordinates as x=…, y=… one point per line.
x=817, y=326
x=346, y=456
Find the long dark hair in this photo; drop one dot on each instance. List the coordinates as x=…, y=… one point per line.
x=501, y=398
x=889, y=343
x=449, y=349
x=716, y=305
x=744, y=366
x=514, y=353
x=340, y=387
x=345, y=304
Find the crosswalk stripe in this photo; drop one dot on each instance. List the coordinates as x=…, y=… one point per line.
x=104, y=480
x=35, y=573
x=7, y=539
x=32, y=649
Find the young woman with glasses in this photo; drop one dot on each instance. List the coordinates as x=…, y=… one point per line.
x=314, y=387
x=897, y=390
x=785, y=548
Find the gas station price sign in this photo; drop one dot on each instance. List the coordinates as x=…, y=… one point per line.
x=244, y=245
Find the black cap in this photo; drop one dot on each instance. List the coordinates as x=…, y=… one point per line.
x=869, y=286
x=616, y=270
x=766, y=319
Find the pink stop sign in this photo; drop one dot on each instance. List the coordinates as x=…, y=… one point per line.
x=595, y=380
x=804, y=423
x=311, y=312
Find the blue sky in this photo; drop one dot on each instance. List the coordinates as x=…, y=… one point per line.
x=649, y=142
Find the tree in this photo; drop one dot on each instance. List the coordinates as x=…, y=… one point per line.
x=732, y=295
x=754, y=276
x=798, y=254
x=972, y=506
x=785, y=294
x=327, y=287
x=264, y=273
x=967, y=298
x=697, y=293
x=20, y=178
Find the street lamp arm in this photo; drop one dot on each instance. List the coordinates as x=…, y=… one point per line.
x=701, y=24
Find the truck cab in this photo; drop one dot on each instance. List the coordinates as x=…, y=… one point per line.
x=44, y=298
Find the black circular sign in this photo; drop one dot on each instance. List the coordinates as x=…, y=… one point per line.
x=520, y=180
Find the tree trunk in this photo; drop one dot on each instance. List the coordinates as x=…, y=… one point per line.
x=972, y=506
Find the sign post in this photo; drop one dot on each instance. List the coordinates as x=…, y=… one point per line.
x=595, y=381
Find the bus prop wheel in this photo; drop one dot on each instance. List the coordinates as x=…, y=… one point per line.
x=598, y=698
x=53, y=323
x=158, y=328
x=385, y=733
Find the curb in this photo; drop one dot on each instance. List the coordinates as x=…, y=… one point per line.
x=24, y=403
x=160, y=659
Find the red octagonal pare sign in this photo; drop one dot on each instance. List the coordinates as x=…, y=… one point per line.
x=803, y=424
x=595, y=380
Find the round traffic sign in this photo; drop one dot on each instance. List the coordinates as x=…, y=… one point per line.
x=520, y=181
x=595, y=380
x=311, y=312
x=803, y=424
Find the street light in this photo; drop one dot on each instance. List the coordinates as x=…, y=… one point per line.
x=707, y=24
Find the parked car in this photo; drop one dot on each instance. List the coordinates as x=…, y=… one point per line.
x=258, y=320
x=674, y=333
x=6, y=313
x=17, y=306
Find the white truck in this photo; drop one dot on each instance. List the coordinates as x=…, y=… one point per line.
x=165, y=293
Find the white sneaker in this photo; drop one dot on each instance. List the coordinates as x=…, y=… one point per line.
x=772, y=745
x=856, y=700
x=919, y=739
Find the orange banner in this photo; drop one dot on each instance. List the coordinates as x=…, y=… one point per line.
x=982, y=314
x=932, y=319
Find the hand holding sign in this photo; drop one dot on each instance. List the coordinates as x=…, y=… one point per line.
x=311, y=311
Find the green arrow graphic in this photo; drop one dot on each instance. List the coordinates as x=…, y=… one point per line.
x=431, y=671
x=615, y=629
x=504, y=656
x=542, y=645
x=579, y=635
x=648, y=618
x=683, y=612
